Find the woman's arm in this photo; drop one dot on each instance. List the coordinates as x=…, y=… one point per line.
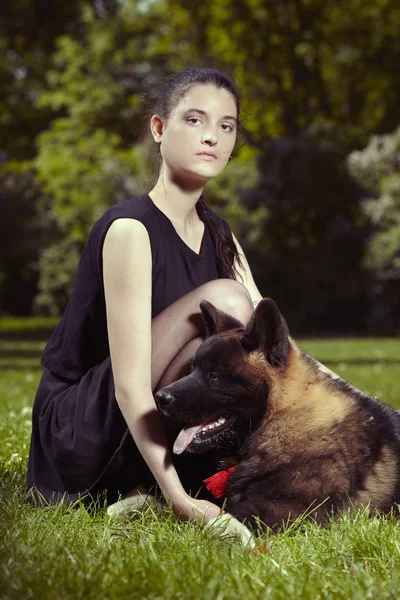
x=246, y=275
x=127, y=268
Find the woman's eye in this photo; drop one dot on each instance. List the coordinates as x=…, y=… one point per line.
x=228, y=127
x=191, y=119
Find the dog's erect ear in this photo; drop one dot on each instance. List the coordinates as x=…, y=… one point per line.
x=267, y=331
x=216, y=320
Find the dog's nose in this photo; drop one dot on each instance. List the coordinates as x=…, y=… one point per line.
x=163, y=397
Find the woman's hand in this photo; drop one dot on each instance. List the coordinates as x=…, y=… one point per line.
x=191, y=509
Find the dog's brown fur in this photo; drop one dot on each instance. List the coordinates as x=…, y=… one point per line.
x=303, y=437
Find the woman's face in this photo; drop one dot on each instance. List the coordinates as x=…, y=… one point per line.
x=198, y=137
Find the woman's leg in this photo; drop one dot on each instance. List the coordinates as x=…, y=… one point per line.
x=80, y=440
x=179, y=366
x=177, y=331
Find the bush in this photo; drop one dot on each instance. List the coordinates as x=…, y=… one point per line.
x=377, y=169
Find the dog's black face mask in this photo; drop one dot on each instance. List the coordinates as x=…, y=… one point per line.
x=224, y=397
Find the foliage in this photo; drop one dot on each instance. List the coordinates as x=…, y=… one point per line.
x=86, y=160
x=28, y=30
x=21, y=235
x=225, y=194
x=58, y=264
x=310, y=243
x=301, y=63
x=76, y=80
x=377, y=168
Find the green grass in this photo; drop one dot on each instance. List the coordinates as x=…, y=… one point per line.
x=371, y=364
x=74, y=552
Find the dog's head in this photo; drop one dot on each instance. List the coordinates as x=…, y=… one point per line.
x=225, y=396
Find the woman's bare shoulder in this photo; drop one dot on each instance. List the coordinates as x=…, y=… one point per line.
x=124, y=227
x=125, y=234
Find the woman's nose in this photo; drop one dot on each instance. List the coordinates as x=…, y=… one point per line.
x=210, y=137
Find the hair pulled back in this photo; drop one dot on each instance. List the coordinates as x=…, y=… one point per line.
x=175, y=88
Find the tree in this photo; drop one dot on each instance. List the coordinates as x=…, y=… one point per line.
x=28, y=30
x=317, y=79
x=92, y=155
x=377, y=169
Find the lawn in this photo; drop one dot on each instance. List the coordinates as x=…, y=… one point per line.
x=71, y=553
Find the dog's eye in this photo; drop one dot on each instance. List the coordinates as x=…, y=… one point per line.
x=213, y=376
x=191, y=368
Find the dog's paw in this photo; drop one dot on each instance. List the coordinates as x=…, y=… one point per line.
x=226, y=525
x=134, y=501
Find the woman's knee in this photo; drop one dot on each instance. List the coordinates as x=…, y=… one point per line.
x=230, y=296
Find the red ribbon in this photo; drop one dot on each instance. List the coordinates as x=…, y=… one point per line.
x=216, y=484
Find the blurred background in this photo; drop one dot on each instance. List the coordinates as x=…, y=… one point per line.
x=313, y=192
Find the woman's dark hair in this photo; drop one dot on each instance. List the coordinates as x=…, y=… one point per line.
x=175, y=88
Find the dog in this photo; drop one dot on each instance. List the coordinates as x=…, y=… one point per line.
x=303, y=440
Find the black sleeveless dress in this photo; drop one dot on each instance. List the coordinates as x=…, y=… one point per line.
x=80, y=442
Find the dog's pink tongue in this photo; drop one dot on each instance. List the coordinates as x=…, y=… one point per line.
x=185, y=437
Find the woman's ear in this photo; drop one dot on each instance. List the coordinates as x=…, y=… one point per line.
x=157, y=127
x=216, y=320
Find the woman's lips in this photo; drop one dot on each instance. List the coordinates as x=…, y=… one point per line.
x=206, y=155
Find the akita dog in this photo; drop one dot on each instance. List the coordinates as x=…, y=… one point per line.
x=303, y=440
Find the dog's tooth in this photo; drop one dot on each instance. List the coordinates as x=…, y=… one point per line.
x=213, y=425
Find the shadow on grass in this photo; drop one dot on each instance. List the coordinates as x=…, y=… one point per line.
x=27, y=335
x=27, y=367
x=362, y=361
x=11, y=361
x=16, y=353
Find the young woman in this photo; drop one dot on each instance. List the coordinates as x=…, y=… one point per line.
x=133, y=319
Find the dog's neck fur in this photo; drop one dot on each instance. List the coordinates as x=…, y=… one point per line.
x=307, y=382
x=305, y=399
